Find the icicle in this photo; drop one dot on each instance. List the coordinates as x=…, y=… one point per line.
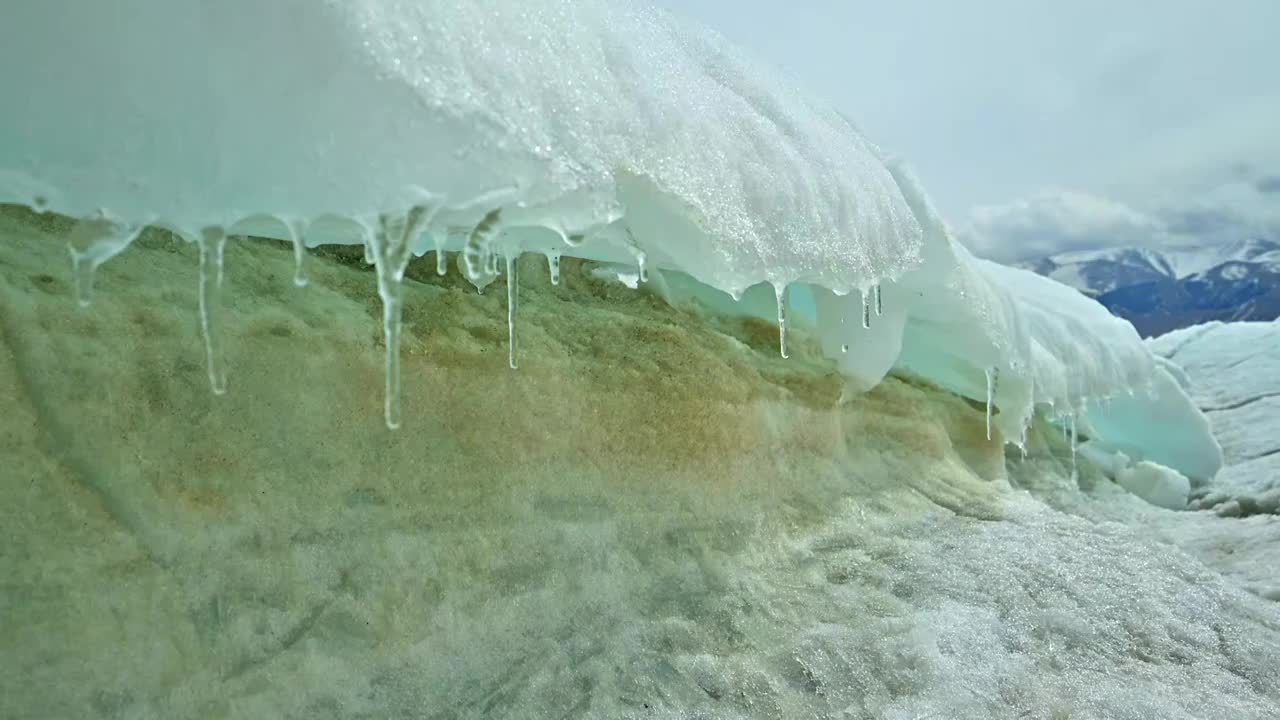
x=212, y=242
x=476, y=258
x=94, y=241
x=642, y=261
x=993, y=381
x=297, y=232
x=393, y=245
x=553, y=265
x=441, y=257
x=879, y=303
x=1074, y=473
x=513, y=302
x=866, y=312
x=780, y=292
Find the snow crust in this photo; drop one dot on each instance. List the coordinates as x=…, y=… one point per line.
x=603, y=130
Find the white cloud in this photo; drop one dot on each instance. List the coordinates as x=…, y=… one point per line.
x=1057, y=221
x=993, y=99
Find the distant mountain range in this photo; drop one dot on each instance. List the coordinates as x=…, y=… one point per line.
x=1162, y=290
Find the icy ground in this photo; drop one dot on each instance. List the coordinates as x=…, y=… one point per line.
x=656, y=517
x=1233, y=373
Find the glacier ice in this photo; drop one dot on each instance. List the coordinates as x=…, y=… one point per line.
x=605, y=130
x=1232, y=372
x=1156, y=484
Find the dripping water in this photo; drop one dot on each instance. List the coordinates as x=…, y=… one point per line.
x=780, y=292
x=212, y=243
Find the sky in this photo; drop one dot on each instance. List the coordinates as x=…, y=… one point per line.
x=1043, y=126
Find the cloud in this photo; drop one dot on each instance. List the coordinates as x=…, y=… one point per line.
x=1057, y=221
x=1060, y=221
x=1269, y=185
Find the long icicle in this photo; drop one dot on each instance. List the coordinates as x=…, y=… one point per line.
x=866, y=312
x=212, y=243
x=879, y=302
x=513, y=302
x=1074, y=472
x=442, y=266
x=297, y=232
x=392, y=246
x=993, y=381
x=780, y=292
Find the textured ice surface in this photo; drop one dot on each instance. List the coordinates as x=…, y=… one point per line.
x=1233, y=372
x=565, y=114
x=658, y=516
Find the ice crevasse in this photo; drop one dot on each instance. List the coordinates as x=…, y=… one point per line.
x=599, y=129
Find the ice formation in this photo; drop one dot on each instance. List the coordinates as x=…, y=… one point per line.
x=598, y=129
x=1232, y=372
